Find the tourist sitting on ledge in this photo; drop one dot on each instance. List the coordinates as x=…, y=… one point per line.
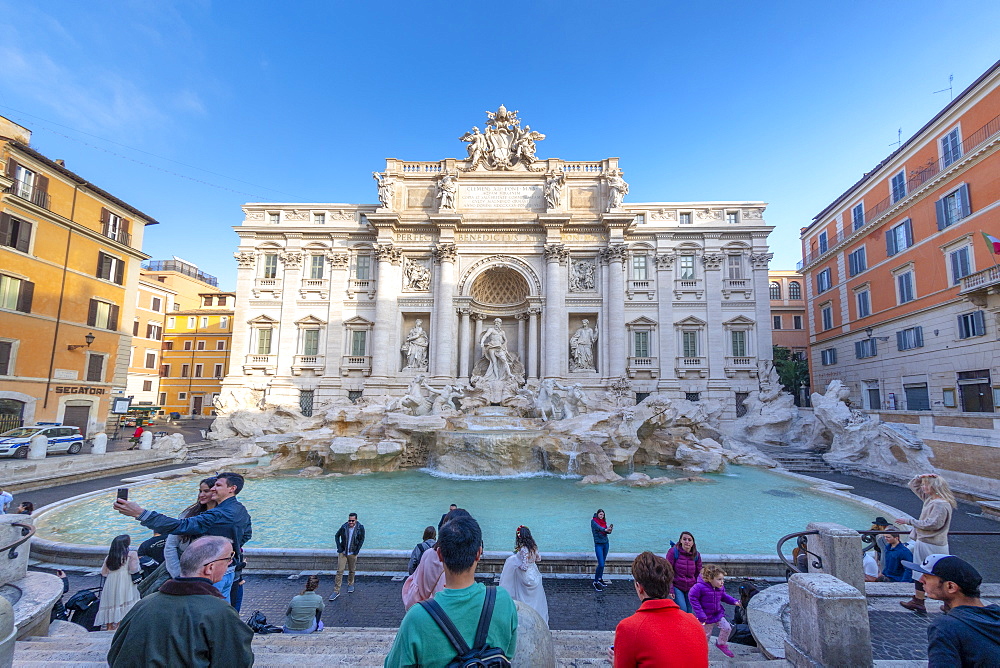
x=304, y=611
x=894, y=553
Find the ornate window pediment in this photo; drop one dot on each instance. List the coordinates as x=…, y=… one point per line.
x=309, y=321
x=690, y=321
x=642, y=322
x=739, y=321
x=262, y=321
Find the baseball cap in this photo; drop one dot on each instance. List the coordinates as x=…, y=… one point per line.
x=950, y=569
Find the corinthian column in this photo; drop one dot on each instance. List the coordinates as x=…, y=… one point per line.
x=465, y=343
x=444, y=311
x=385, y=306
x=615, y=255
x=556, y=256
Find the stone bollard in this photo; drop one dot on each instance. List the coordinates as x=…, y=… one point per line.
x=38, y=447
x=534, y=640
x=839, y=549
x=146, y=440
x=8, y=634
x=100, y=446
x=829, y=623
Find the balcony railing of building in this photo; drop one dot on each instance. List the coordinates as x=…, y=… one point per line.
x=986, y=278
x=181, y=267
x=261, y=360
x=682, y=365
x=36, y=196
x=361, y=363
x=918, y=177
x=310, y=362
x=117, y=233
x=314, y=283
x=647, y=364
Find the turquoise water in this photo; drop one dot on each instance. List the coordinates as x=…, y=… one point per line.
x=743, y=511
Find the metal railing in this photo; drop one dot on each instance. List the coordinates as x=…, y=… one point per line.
x=181, y=268
x=35, y=195
x=917, y=178
x=27, y=531
x=8, y=422
x=117, y=233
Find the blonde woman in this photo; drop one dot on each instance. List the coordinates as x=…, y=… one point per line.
x=930, y=531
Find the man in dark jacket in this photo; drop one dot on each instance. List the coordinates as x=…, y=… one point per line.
x=968, y=635
x=187, y=622
x=350, y=537
x=228, y=519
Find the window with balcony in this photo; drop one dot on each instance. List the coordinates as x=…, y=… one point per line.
x=796, y=322
x=640, y=267
x=738, y=337
x=951, y=148
x=269, y=265
x=863, y=300
x=16, y=294
x=795, y=290
x=960, y=264
x=310, y=342
x=828, y=356
x=857, y=261
x=102, y=314
x=363, y=268
x=774, y=290
x=28, y=185
x=689, y=343
x=640, y=344
x=824, y=242
x=865, y=348
x=684, y=218
x=953, y=207
x=110, y=268
x=899, y=238
x=316, y=266
x=114, y=227
x=905, y=289
x=826, y=315
x=971, y=324
x=858, y=216
x=15, y=233
x=686, y=267
x=264, y=341
x=910, y=338
x=824, y=281
x=898, y=185
x=359, y=343
x=734, y=266
x=776, y=324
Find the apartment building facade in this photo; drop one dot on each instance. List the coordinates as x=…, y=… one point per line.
x=69, y=270
x=788, y=311
x=884, y=267
x=195, y=357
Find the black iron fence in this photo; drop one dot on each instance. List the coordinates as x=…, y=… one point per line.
x=34, y=195
x=8, y=422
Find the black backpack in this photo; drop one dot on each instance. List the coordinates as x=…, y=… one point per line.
x=479, y=656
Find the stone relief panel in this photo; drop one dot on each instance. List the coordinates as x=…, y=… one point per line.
x=582, y=276
x=416, y=276
x=663, y=214
x=753, y=214
x=419, y=198
x=583, y=198
x=296, y=215
x=254, y=215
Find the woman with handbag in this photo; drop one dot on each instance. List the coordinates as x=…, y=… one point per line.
x=119, y=593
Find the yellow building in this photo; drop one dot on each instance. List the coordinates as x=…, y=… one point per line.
x=69, y=269
x=195, y=355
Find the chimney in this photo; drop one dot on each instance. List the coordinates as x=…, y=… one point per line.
x=60, y=162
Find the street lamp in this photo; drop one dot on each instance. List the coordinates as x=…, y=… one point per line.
x=89, y=339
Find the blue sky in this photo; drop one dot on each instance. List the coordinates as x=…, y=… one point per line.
x=187, y=109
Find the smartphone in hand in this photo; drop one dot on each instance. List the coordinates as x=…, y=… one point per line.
x=123, y=493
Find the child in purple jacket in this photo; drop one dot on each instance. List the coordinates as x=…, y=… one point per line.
x=707, y=597
x=686, y=562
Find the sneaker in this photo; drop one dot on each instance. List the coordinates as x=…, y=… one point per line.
x=335, y=596
x=597, y=586
x=914, y=604
x=605, y=583
x=350, y=589
x=724, y=648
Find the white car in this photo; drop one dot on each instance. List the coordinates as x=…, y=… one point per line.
x=15, y=443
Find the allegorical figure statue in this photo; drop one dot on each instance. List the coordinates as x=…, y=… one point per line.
x=494, y=344
x=617, y=189
x=386, y=184
x=418, y=277
x=477, y=146
x=415, y=347
x=553, y=190
x=447, y=186
x=581, y=346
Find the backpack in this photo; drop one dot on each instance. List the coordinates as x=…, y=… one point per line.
x=83, y=607
x=423, y=548
x=480, y=655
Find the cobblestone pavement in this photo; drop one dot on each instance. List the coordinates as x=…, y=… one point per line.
x=898, y=635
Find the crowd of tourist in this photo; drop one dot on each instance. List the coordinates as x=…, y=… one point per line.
x=193, y=564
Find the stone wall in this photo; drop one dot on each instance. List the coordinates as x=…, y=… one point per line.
x=24, y=475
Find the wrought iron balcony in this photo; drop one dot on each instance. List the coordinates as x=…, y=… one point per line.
x=36, y=196
x=117, y=233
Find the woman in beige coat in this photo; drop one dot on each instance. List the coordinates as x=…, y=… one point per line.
x=930, y=531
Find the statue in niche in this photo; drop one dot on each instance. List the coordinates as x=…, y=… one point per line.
x=386, y=185
x=582, y=277
x=415, y=346
x=418, y=277
x=617, y=189
x=447, y=186
x=553, y=189
x=581, y=346
x=494, y=345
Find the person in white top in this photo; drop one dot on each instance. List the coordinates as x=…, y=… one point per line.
x=521, y=577
x=5, y=500
x=870, y=567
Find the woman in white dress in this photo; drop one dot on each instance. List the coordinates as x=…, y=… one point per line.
x=119, y=594
x=520, y=576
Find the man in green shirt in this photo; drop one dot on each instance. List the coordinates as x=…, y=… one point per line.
x=420, y=642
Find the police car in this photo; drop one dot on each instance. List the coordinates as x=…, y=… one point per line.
x=62, y=438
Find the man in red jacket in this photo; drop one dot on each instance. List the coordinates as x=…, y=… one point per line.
x=659, y=634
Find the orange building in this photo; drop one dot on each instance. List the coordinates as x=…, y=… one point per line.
x=788, y=311
x=69, y=268
x=888, y=266
x=195, y=358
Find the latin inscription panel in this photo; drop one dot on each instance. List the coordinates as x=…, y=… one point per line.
x=525, y=198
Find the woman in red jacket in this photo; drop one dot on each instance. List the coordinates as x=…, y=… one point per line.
x=659, y=634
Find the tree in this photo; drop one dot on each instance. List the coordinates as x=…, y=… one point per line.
x=792, y=371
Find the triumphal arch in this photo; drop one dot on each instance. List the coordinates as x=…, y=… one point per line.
x=487, y=274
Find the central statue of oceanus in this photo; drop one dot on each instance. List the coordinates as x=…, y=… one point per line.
x=504, y=145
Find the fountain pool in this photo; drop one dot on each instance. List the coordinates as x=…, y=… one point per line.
x=743, y=511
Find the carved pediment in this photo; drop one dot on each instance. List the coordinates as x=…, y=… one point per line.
x=691, y=321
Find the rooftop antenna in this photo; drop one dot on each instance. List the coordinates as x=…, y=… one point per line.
x=951, y=95
x=899, y=138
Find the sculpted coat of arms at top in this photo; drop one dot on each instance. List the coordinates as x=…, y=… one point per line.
x=504, y=144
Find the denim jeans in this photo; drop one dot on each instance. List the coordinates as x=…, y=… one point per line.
x=682, y=600
x=236, y=592
x=601, y=549
x=226, y=583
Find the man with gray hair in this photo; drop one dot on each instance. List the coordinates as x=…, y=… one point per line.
x=187, y=622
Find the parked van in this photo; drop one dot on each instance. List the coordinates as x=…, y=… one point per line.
x=15, y=443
